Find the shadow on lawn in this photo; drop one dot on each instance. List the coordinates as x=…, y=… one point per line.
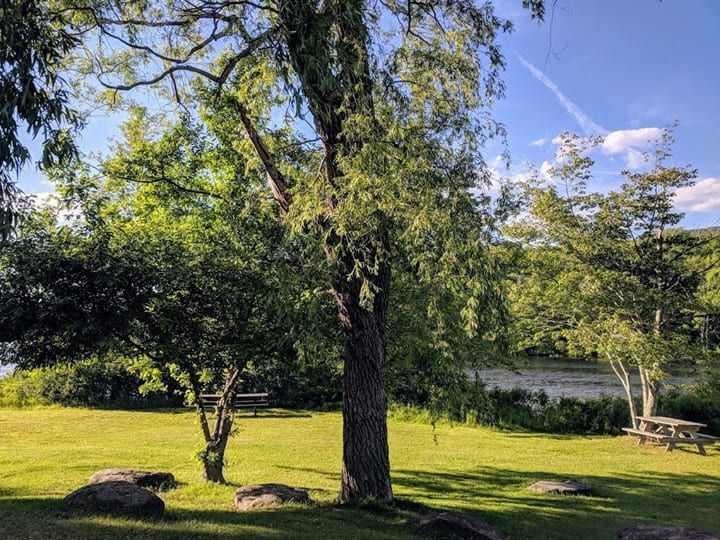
x=499, y=496
x=244, y=413
x=619, y=500
x=44, y=518
x=502, y=498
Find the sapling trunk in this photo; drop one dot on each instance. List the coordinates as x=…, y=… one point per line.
x=624, y=375
x=650, y=392
x=213, y=454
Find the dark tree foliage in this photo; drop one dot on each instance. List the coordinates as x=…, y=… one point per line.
x=65, y=296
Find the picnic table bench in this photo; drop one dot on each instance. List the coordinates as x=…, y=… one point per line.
x=671, y=432
x=209, y=402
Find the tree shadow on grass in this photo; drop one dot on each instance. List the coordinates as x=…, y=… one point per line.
x=502, y=498
x=44, y=518
x=267, y=414
x=499, y=496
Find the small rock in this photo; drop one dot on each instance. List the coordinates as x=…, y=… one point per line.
x=116, y=497
x=663, y=532
x=457, y=526
x=251, y=497
x=147, y=479
x=561, y=487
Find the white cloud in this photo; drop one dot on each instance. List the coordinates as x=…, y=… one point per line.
x=498, y=162
x=631, y=143
x=545, y=169
x=585, y=122
x=618, y=142
x=46, y=198
x=704, y=196
x=51, y=199
x=635, y=159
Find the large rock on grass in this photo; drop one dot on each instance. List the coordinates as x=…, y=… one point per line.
x=147, y=479
x=455, y=526
x=561, y=487
x=116, y=498
x=260, y=496
x=663, y=532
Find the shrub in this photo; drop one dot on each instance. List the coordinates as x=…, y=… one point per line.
x=91, y=382
x=23, y=389
x=518, y=408
x=698, y=403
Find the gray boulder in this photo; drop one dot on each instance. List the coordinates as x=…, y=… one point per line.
x=116, y=498
x=456, y=526
x=260, y=496
x=663, y=532
x=147, y=479
x=561, y=487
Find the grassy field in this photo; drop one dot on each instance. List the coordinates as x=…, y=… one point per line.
x=46, y=453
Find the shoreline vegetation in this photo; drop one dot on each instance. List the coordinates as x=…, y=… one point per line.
x=106, y=386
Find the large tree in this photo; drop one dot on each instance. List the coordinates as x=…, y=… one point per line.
x=386, y=108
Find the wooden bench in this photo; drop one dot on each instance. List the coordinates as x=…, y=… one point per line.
x=209, y=402
x=671, y=440
x=642, y=434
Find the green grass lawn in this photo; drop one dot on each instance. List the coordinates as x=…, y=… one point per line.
x=46, y=453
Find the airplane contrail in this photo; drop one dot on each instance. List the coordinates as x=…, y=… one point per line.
x=585, y=122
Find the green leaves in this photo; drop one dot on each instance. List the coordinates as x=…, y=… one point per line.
x=34, y=41
x=608, y=274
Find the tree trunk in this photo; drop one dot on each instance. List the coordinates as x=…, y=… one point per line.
x=650, y=392
x=214, y=454
x=624, y=376
x=366, y=461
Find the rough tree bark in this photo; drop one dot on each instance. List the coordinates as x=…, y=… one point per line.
x=333, y=94
x=366, y=461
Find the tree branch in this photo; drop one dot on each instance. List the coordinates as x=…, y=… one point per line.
x=276, y=180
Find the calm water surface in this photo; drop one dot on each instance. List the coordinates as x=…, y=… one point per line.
x=567, y=377
x=558, y=377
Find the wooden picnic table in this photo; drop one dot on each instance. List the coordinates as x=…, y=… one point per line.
x=671, y=431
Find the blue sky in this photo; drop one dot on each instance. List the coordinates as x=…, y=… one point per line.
x=619, y=68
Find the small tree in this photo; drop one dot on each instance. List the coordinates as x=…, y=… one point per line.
x=154, y=271
x=623, y=286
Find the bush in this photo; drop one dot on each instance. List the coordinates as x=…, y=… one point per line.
x=699, y=403
x=90, y=383
x=23, y=389
x=518, y=408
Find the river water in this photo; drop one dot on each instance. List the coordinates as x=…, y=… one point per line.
x=557, y=376
x=568, y=377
